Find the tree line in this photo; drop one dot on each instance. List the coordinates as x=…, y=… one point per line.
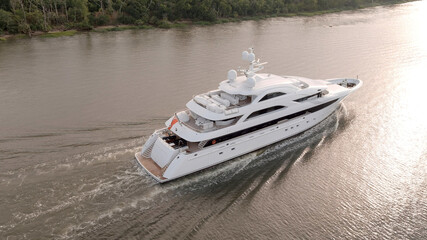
x=26, y=16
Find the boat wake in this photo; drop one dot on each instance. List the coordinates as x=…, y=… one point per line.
x=104, y=184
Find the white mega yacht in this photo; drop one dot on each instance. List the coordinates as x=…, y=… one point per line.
x=245, y=113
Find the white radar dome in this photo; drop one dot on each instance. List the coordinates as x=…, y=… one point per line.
x=250, y=82
x=245, y=55
x=232, y=75
x=251, y=57
x=183, y=117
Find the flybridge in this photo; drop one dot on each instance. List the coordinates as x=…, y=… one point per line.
x=238, y=91
x=227, y=100
x=251, y=84
x=221, y=102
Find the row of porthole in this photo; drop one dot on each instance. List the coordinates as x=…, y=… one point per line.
x=297, y=124
x=223, y=152
x=219, y=152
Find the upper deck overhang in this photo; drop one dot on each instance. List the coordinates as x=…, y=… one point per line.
x=202, y=111
x=263, y=83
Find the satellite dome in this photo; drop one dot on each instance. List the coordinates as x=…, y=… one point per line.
x=250, y=82
x=251, y=57
x=232, y=75
x=245, y=55
x=183, y=117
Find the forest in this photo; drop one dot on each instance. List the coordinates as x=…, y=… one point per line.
x=27, y=16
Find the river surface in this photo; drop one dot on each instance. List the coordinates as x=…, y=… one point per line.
x=74, y=110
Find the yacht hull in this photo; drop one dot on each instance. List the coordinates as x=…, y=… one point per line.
x=186, y=163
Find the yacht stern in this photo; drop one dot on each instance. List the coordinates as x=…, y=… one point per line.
x=151, y=167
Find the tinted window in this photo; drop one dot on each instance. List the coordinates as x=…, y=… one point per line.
x=264, y=111
x=272, y=95
x=308, y=97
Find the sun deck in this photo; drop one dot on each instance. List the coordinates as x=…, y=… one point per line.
x=198, y=123
x=218, y=101
x=191, y=123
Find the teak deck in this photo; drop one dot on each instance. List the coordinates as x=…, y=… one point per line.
x=150, y=166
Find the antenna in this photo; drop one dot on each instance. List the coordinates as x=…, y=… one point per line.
x=254, y=67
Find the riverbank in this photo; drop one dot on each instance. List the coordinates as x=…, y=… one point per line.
x=60, y=31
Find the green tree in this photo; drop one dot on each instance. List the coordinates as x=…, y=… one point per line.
x=78, y=10
x=30, y=15
x=5, y=5
x=136, y=10
x=5, y=20
x=224, y=9
x=35, y=20
x=182, y=9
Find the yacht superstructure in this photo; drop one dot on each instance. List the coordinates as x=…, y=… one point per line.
x=245, y=113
